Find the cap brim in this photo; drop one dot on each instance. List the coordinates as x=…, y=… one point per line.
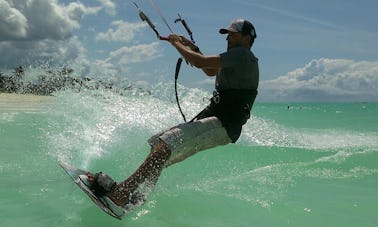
x=226, y=30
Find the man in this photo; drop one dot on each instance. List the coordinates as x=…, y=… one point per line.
x=220, y=123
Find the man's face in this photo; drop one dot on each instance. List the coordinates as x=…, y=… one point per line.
x=234, y=39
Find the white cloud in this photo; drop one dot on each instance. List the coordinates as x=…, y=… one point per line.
x=40, y=19
x=109, y=6
x=325, y=80
x=46, y=51
x=119, y=61
x=135, y=54
x=123, y=32
x=40, y=31
x=13, y=24
x=105, y=68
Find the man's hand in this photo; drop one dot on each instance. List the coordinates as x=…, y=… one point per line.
x=188, y=43
x=209, y=64
x=174, y=39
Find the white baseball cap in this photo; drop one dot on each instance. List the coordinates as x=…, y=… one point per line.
x=240, y=25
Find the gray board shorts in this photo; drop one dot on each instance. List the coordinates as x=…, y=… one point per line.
x=186, y=139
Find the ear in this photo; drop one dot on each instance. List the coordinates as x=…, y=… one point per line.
x=246, y=40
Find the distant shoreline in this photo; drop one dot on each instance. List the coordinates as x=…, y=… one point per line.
x=6, y=97
x=14, y=102
x=52, y=81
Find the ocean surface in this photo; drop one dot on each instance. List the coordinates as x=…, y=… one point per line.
x=296, y=164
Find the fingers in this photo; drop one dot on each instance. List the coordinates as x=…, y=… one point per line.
x=174, y=38
x=184, y=40
x=179, y=38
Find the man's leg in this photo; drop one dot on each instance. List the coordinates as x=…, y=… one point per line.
x=149, y=172
x=183, y=141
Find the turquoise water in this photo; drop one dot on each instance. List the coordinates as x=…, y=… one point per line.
x=311, y=164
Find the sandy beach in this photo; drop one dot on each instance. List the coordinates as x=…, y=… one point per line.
x=10, y=102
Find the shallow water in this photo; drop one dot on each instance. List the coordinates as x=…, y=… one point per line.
x=311, y=164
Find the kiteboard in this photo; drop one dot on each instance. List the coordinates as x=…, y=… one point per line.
x=80, y=178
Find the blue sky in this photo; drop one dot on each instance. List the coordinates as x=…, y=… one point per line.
x=308, y=50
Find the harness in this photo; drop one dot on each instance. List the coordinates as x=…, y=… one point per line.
x=233, y=106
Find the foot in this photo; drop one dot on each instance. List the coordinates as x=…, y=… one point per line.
x=127, y=192
x=112, y=194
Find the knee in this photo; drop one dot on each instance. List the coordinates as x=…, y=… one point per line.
x=160, y=147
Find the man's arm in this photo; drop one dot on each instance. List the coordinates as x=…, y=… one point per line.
x=209, y=64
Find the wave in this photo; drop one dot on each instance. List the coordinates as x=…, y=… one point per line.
x=264, y=132
x=90, y=120
x=106, y=118
x=272, y=166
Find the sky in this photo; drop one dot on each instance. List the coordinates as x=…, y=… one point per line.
x=325, y=50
